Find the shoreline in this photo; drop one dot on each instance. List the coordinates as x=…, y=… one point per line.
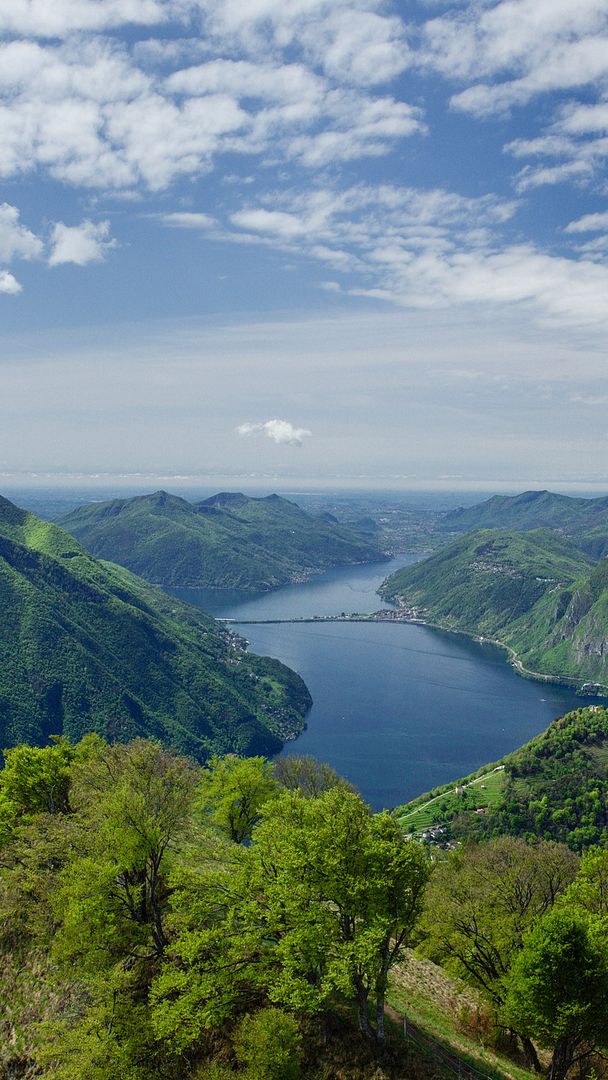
x=396, y=615
x=572, y=682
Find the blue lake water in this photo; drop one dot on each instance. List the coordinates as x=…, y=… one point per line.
x=398, y=708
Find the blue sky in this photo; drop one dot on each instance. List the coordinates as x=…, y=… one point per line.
x=339, y=241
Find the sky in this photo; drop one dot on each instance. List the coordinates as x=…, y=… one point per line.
x=336, y=242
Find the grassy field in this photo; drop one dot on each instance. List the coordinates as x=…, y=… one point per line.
x=482, y=792
x=452, y=1015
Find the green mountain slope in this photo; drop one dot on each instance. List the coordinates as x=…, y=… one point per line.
x=228, y=541
x=583, y=520
x=554, y=787
x=86, y=646
x=533, y=591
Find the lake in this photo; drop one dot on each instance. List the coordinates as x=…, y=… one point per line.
x=398, y=708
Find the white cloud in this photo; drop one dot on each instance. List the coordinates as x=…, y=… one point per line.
x=429, y=249
x=88, y=113
x=357, y=46
x=588, y=223
x=577, y=160
x=359, y=127
x=508, y=52
x=272, y=222
x=352, y=41
x=56, y=18
x=280, y=431
x=530, y=177
x=532, y=46
x=9, y=284
x=184, y=219
x=80, y=244
x=16, y=241
x=564, y=67
x=242, y=78
x=579, y=119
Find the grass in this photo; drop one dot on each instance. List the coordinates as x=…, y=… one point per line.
x=485, y=791
x=451, y=1013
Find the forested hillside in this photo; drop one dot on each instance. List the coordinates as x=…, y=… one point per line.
x=554, y=787
x=584, y=521
x=533, y=591
x=86, y=646
x=159, y=921
x=228, y=541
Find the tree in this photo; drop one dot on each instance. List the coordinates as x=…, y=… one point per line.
x=36, y=779
x=339, y=891
x=589, y=890
x=89, y=889
x=558, y=987
x=136, y=800
x=324, y=899
x=233, y=791
x=303, y=773
x=482, y=901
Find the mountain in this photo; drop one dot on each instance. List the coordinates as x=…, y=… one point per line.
x=585, y=521
x=228, y=541
x=533, y=591
x=554, y=787
x=86, y=646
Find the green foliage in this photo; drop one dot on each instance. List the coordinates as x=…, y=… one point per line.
x=483, y=899
x=112, y=901
x=303, y=773
x=228, y=541
x=341, y=892
x=162, y=948
x=36, y=780
x=269, y=1044
x=233, y=791
x=112, y=1039
x=589, y=891
x=584, y=520
x=86, y=646
x=555, y=787
x=559, y=985
x=534, y=592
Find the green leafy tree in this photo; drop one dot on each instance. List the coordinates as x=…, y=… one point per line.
x=111, y=903
x=303, y=773
x=269, y=1043
x=233, y=791
x=340, y=891
x=325, y=898
x=589, y=890
x=215, y=964
x=481, y=902
x=558, y=988
x=137, y=800
x=36, y=779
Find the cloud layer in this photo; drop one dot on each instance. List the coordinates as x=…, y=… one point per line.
x=137, y=97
